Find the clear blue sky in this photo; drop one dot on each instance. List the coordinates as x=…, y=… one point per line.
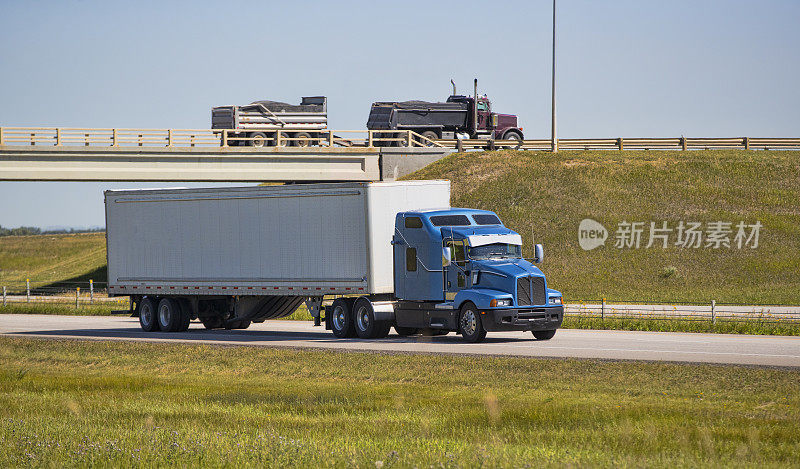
x=626, y=68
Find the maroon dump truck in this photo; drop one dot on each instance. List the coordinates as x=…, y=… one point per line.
x=458, y=117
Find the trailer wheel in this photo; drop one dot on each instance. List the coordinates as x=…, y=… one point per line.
x=186, y=315
x=342, y=319
x=405, y=331
x=303, y=139
x=544, y=335
x=169, y=315
x=259, y=139
x=147, y=315
x=469, y=324
x=514, y=136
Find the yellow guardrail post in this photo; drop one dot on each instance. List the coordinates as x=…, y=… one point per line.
x=91, y=291
x=620, y=144
x=114, y=137
x=77, y=294
x=58, y=136
x=1, y=135
x=746, y=143
x=225, y=138
x=33, y=138
x=27, y=290
x=369, y=138
x=169, y=137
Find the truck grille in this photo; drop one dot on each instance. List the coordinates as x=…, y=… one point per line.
x=531, y=291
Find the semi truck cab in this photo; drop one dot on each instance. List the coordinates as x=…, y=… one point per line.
x=463, y=270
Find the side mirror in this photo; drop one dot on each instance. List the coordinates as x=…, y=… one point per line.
x=538, y=253
x=447, y=256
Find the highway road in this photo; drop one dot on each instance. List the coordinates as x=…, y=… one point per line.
x=568, y=343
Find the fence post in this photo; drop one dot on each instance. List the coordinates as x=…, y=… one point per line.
x=58, y=136
x=77, y=293
x=369, y=138
x=713, y=311
x=277, y=139
x=410, y=140
x=91, y=291
x=330, y=139
x=683, y=143
x=224, y=138
x=4, y=295
x=459, y=145
x=620, y=144
x=1, y=135
x=746, y=143
x=169, y=137
x=86, y=140
x=114, y=137
x=603, y=309
x=27, y=290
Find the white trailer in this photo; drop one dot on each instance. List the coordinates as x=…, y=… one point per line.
x=232, y=256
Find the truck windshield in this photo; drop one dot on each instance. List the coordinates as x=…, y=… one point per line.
x=495, y=251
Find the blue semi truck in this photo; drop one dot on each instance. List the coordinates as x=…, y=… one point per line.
x=363, y=257
x=456, y=270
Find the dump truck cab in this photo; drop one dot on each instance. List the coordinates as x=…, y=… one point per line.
x=456, y=259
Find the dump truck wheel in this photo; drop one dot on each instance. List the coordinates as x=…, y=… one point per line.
x=469, y=324
x=430, y=135
x=169, y=315
x=405, y=331
x=147, y=315
x=259, y=139
x=342, y=319
x=544, y=335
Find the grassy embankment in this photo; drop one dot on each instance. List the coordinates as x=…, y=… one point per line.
x=128, y=404
x=550, y=194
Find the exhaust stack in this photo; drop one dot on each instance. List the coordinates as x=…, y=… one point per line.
x=475, y=111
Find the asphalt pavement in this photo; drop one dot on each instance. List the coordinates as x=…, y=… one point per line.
x=568, y=343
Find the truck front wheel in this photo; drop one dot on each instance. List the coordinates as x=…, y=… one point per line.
x=342, y=319
x=147, y=315
x=544, y=335
x=515, y=137
x=469, y=324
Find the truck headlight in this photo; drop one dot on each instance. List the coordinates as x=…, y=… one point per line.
x=556, y=300
x=501, y=302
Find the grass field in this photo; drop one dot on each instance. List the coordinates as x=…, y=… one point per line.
x=72, y=403
x=549, y=194
x=47, y=259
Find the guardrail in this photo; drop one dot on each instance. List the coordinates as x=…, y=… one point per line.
x=58, y=136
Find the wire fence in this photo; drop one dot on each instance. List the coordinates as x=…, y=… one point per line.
x=712, y=311
x=76, y=294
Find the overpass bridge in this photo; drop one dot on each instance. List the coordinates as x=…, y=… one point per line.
x=203, y=155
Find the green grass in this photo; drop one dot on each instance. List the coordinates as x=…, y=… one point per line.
x=754, y=327
x=65, y=309
x=73, y=403
x=47, y=259
x=550, y=194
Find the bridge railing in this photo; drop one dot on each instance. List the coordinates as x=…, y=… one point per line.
x=61, y=136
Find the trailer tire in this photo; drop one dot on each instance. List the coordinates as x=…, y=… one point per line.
x=544, y=335
x=258, y=140
x=303, y=140
x=170, y=316
x=405, y=331
x=470, y=325
x=186, y=315
x=342, y=319
x=514, y=135
x=147, y=315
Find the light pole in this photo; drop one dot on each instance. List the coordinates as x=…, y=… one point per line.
x=554, y=134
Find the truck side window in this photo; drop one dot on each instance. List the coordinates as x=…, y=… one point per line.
x=411, y=259
x=413, y=222
x=482, y=106
x=459, y=252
